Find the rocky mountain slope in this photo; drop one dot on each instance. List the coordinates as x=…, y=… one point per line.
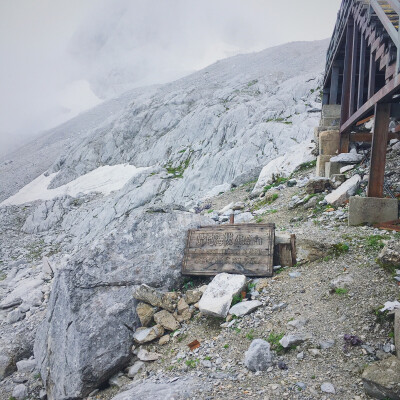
x=190, y=139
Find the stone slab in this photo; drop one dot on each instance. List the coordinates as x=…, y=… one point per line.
x=372, y=210
x=344, y=191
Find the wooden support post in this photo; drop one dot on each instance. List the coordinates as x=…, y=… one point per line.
x=333, y=96
x=361, y=77
x=378, y=151
x=344, y=139
x=371, y=77
x=352, y=105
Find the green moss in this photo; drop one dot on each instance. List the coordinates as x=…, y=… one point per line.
x=236, y=299
x=306, y=166
x=341, y=291
x=267, y=200
x=339, y=249
x=273, y=339
x=250, y=335
x=192, y=363
x=375, y=242
x=179, y=170
x=252, y=83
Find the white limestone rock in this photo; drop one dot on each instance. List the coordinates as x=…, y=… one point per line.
x=344, y=191
x=218, y=296
x=284, y=165
x=294, y=339
x=26, y=366
x=351, y=158
x=327, y=387
x=244, y=308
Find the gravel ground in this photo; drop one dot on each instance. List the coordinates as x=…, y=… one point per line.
x=219, y=361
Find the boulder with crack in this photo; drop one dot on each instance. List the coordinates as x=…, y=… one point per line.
x=87, y=334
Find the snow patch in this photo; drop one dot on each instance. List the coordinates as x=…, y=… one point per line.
x=105, y=180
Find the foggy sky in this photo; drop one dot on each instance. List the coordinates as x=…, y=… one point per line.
x=60, y=57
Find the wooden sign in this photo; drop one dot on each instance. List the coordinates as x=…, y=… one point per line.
x=246, y=249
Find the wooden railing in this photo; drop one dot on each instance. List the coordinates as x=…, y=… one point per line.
x=362, y=74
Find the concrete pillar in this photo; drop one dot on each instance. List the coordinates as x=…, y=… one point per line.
x=372, y=210
x=329, y=142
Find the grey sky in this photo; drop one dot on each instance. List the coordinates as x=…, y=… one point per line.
x=59, y=57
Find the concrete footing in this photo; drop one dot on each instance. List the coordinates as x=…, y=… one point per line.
x=321, y=161
x=333, y=168
x=372, y=210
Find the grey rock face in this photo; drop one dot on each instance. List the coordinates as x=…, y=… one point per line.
x=259, y=356
x=88, y=331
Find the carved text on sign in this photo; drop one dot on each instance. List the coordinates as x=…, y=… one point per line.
x=244, y=248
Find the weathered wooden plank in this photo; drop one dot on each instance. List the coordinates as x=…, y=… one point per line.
x=242, y=249
x=378, y=151
x=333, y=97
x=367, y=136
x=352, y=103
x=347, y=73
x=361, y=77
x=372, y=76
x=390, y=71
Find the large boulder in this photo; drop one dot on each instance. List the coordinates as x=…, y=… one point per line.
x=87, y=334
